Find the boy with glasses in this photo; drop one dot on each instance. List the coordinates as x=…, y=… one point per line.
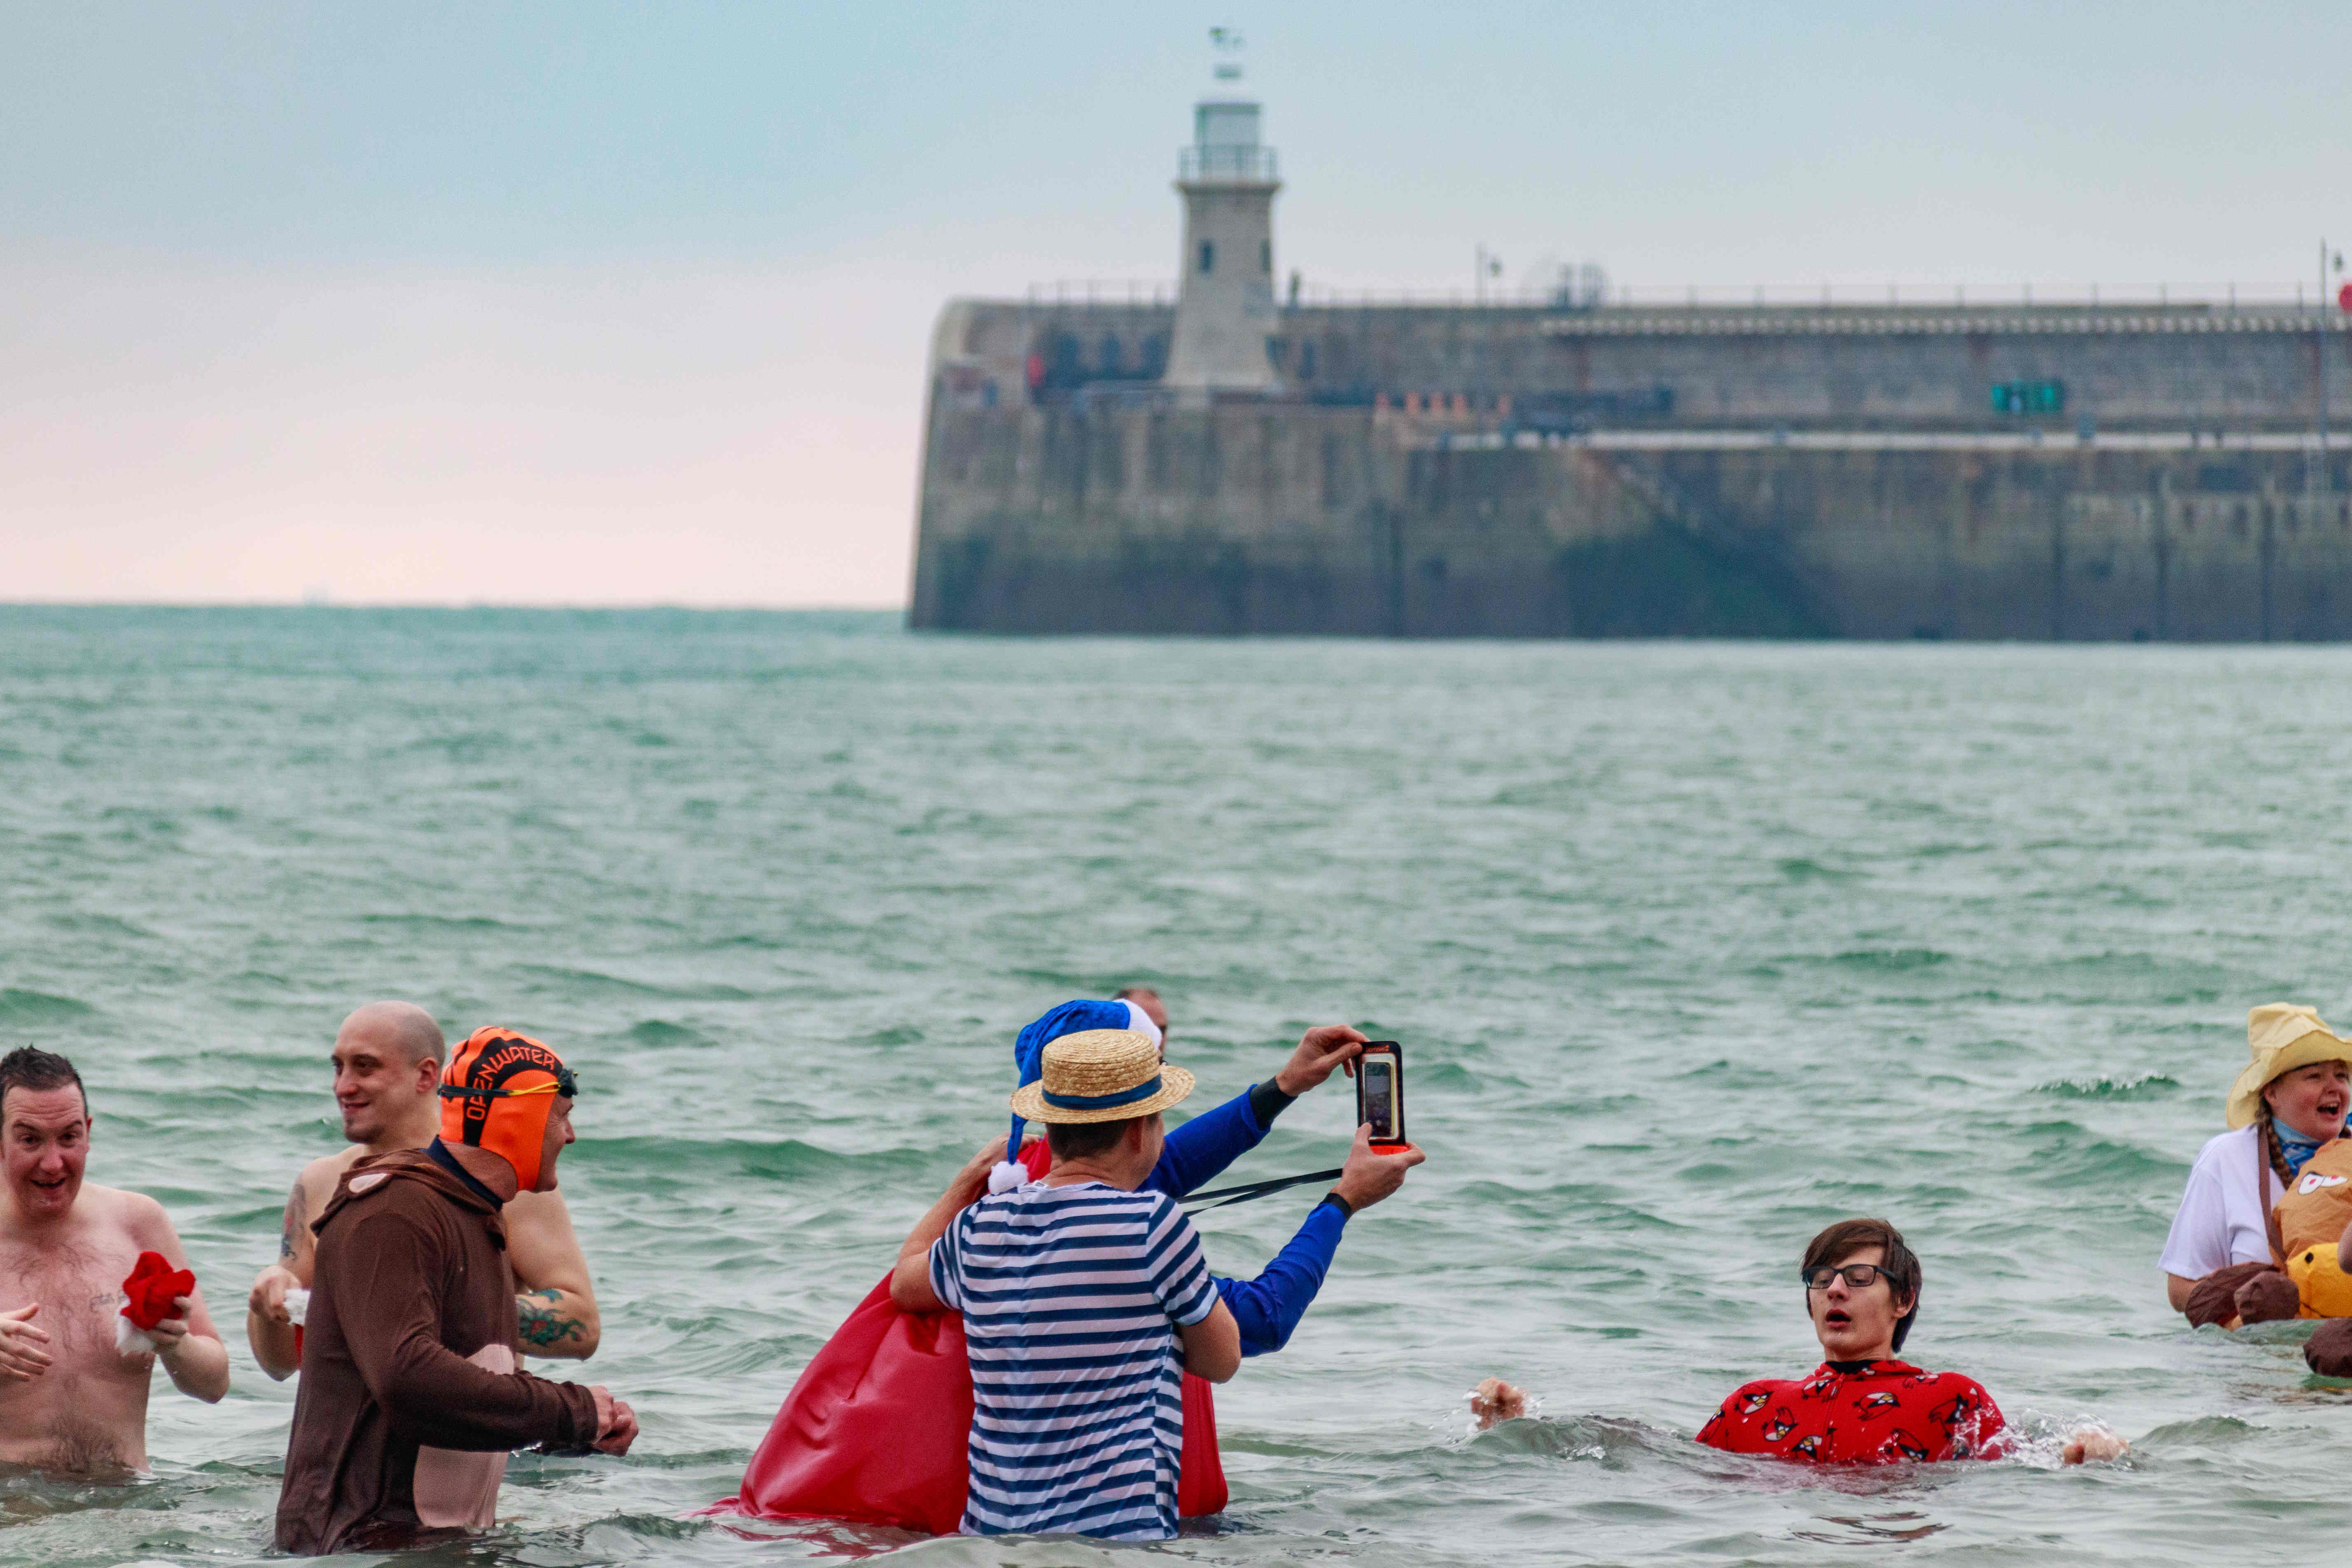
x=1860, y=1405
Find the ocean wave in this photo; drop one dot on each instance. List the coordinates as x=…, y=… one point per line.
x=783, y=1160
x=30, y=1009
x=2145, y=1086
x=1891, y=960
x=572, y=982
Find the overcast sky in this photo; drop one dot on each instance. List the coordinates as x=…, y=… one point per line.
x=606, y=303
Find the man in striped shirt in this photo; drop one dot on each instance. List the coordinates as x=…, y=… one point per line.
x=1084, y=1300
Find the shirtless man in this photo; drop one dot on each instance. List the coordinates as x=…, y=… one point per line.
x=69, y=1401
x=387, y=1060
x=412, y=1330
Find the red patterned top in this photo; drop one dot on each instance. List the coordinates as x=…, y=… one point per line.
x=1883, y=1414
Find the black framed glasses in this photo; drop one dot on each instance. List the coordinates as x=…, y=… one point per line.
x=1858, y=1276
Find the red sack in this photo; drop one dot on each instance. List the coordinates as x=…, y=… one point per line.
x=875, y=1429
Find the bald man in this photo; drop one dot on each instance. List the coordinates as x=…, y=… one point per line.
x=387, y=1059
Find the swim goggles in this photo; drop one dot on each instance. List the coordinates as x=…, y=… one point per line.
x=566, y=1085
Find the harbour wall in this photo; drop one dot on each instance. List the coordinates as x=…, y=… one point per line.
x=1519, y=474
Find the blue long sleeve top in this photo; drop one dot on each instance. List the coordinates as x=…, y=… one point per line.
x=1270, y=1306
x=1198, y=1152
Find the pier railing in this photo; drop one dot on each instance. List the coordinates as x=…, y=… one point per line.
x=2269, y=297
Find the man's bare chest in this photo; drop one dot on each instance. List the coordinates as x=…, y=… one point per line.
x=77, y=1283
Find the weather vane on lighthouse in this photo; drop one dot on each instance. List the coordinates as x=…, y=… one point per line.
x=1226, y=46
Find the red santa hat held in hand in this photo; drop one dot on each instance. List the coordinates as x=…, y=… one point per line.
x=147, y=1299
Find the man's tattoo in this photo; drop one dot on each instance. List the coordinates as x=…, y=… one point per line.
x=298, y=1206
x=542, y=1325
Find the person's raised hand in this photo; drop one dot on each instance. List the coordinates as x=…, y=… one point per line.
x=616, y=1424
x=1320, y=1050
x=22, y=1356
x=267, y=1301
x=2093, y=1444
x=1494, y=1400
x=1369, y=1175
x=973, y=1180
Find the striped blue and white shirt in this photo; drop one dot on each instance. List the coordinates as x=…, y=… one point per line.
x=1069, y=1298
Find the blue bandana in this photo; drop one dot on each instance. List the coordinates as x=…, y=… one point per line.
x=2295, y=1146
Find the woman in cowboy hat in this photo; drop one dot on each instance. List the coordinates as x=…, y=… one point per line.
x=2290, y=1100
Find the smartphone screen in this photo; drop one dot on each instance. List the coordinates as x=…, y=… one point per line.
x=1380, y=1091
x=1380, y=1096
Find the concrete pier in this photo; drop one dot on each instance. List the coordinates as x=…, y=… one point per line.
x=2147, y=470
x=1292, y=519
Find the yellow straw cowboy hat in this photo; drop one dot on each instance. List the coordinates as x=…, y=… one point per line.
x=1101, y=1075
x=2281, y=1038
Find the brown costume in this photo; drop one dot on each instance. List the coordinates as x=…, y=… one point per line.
x=2251, y=1293
x=412, y=1280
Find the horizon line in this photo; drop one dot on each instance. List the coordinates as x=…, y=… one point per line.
x=715, y=607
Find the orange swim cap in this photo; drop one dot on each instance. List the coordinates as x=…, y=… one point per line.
x=497, y=1094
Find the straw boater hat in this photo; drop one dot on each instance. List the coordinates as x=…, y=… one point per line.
x=2282, y=1037
x=1101, y=1075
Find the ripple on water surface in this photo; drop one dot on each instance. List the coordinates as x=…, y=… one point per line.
x=1695, y=948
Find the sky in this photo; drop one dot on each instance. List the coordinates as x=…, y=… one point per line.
x=603, y=303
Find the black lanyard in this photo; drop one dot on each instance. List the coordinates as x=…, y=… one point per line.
x=1249, y=1190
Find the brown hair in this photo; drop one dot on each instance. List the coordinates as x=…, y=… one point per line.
x=1076, y=1140
x=29, y=1067
x=1849, y=1236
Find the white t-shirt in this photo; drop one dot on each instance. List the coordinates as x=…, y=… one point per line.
x=2220, y=1218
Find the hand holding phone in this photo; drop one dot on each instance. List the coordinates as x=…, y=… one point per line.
x=1374, y=1171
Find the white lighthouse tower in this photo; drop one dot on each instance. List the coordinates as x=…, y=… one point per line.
x=1225, y=305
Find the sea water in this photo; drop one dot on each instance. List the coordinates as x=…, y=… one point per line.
x=1693, y=948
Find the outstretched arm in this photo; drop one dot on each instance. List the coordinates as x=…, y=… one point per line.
x=1198, y=1152
x=1494, y=1400
x=556, y=1307
x=2090, y=1445
x=1266, y=1308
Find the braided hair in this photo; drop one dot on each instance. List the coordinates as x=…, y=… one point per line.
x=2273, y=1150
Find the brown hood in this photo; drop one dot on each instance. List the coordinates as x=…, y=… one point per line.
x=409, y=1165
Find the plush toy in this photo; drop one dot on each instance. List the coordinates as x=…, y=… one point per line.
x=147, y=1297
x=2317, y=1205
x=2327, y=1290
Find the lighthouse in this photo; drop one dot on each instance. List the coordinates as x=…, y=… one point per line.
x=1224, y=303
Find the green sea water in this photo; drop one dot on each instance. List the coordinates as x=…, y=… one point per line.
x=1693, y=947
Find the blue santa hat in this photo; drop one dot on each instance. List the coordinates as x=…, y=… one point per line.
x=1029, y=1059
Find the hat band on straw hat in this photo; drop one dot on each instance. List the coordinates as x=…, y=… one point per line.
x=1102, y=1101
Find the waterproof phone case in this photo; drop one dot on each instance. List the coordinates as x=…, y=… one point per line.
x=1380, y=1091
